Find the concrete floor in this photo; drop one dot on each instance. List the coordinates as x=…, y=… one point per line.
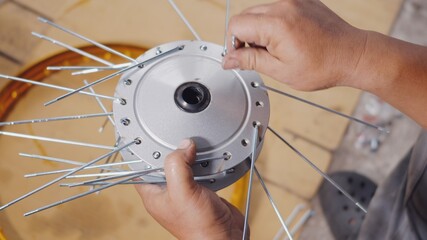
x=354, y=153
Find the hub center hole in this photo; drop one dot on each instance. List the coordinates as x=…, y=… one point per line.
x=192, y=95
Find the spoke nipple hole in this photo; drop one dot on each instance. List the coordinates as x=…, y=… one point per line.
x=137, y=142
x=227, y=156
x=159, y=51
x=141, y=65
x=231, y=170
x=125, y=121
x=345, y=207
x=203, y=47
x=259, y=104
x=245, y=142
x=212, y=181
x=254, y=84
x=123, y=101
x=256, y=124
x=350, y=180
x=204, y=164
x=156, y=155
x=128, y=82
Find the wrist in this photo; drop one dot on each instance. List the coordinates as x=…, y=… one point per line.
x=378, y=64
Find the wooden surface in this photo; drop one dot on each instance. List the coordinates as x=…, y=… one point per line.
x=149, y=23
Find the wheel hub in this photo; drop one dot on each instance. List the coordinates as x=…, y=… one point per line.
x=187, y=94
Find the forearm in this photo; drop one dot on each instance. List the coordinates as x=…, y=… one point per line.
x=395, y=71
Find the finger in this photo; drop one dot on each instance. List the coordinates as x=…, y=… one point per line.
x=179, y=175
x=153, y=197
x=147, y=190
x=251, y=28
x=259, y=9
x=257, y=59
x=238, y=216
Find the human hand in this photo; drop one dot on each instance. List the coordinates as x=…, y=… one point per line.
x=299, y=42
x=187, y=209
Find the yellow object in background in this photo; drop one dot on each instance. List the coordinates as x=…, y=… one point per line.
x=238, y=198
x=2, y=237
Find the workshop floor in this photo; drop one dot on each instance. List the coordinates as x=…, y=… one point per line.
x=330, y=141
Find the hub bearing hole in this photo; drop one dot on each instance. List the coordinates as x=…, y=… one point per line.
x=192, y=95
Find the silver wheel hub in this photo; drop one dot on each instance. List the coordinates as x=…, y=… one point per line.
x=187, y=94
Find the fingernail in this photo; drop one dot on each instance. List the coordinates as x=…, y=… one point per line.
x=185, y=144
x=230, y=63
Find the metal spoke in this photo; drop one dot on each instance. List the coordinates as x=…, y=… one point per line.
x=381, y=129
x=52, y=159
x=115, y=74
x=107, y=167
x=73, y=49
x=270, y=198
x=101, y=105
x=227, y=16
x=134, y=175
x=112, y=177
x=92, y=84
x=324, y=175
x=56, y=140
x=251, y=171
x=107, y=161
x=68, y=174
x=186, y=22
x=87, y=69
x=309, y=213
x=105, y=183
x=78, y=68
x=94, y=70
x=289, y=220
x=105, y=174
x=44, y=20
x=42, y=120
x=53, y=86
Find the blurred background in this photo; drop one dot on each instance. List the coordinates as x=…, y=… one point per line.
x=132, y=26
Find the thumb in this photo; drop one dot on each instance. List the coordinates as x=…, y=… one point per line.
x=252, y=58
x=179, y=175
